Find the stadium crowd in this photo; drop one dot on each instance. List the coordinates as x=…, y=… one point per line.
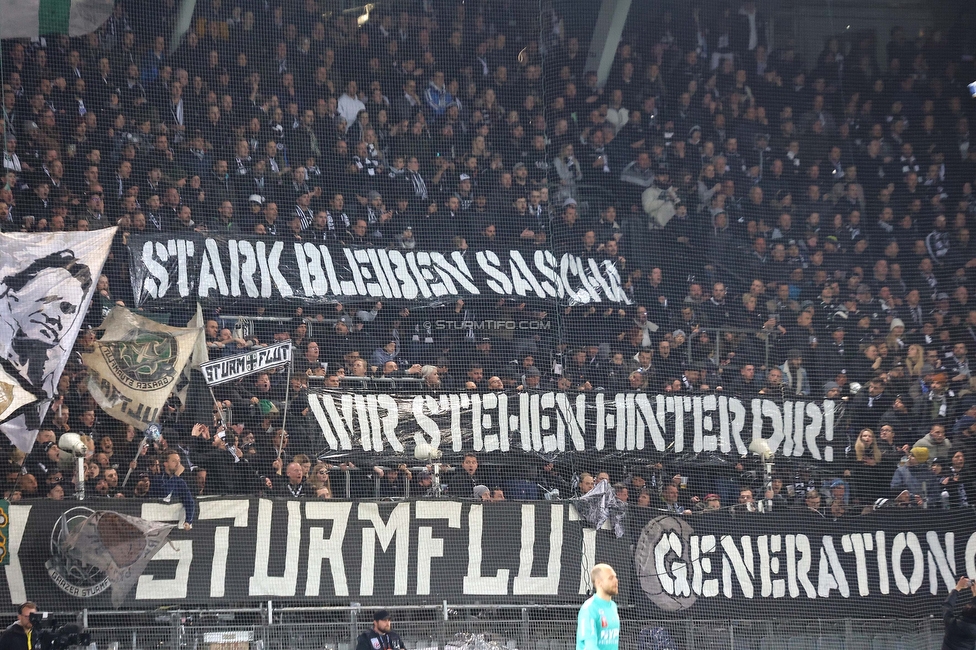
x=783, y=230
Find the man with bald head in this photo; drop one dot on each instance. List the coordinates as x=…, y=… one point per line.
x=598, y=625
x=293, y=485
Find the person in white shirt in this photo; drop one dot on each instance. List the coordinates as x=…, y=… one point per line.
x=350, y=104
x=617, y=113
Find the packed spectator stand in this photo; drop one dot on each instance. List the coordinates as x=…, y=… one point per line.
x=783, y=231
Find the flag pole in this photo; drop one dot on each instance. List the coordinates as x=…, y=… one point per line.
x=6, y=127
x=153, y=432
x=142, y=445
x=284, y=416
x=80, y=493
x=219, y=405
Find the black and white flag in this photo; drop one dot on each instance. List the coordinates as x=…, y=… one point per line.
x=46, y=284
x=225, y=369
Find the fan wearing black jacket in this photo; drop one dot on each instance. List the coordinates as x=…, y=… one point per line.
x=380, y=637
x=228, y=471
x=19, y=634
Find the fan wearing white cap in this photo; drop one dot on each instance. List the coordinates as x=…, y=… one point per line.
x=255, y=203
x=464, y=193
x=896, y=333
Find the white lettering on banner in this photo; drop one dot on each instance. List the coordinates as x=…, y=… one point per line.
x=262, y=584
x=332, y=424
x=942, y=561
x=701, y=566
x=184, y=249
x=550, y=422
x=226, y=369
x=674, y=578
x=156, y=283
x=738, y=563
x=397, y=526
x=525, y=583
x=858, y=543
x=799, y=570
x=253, y=268
x=211, y=272
x=322, y=548
x=785, y=562
x=388, y=423
x=971, y=556
x=181, y=551
x=831, y=572
x=14, y=572
x=574, y=423
x=428, y=546
x=474, y=583
x=901, y=543
x=236, y=510
x=426, y=424
x=686, y=564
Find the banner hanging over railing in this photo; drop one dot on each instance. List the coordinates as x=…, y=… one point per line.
x=896, y=561
x=165, y=271
x=776, y=564
x=244, y=549
x=558, y=422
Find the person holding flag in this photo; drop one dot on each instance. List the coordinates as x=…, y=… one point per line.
x=170, y=487
x=598, y=625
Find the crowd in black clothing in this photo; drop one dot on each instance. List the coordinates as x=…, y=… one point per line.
x=781, y=230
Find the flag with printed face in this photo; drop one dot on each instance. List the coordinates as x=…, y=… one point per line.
x=12, y=396
x=46, y=284
x=136, y=364
x=32, y=18
x=119, y=545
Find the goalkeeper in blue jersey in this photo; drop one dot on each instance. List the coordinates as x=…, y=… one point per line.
x=598, y=625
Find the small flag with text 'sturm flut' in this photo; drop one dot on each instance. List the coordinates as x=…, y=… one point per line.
x=33, y=18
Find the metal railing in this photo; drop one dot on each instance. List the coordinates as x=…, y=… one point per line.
x=718, y=334
x=550, y=627
x=342, y=489
x=379, y=383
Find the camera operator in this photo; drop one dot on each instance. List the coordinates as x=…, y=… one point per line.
x=960, y=630
x=20, y=634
